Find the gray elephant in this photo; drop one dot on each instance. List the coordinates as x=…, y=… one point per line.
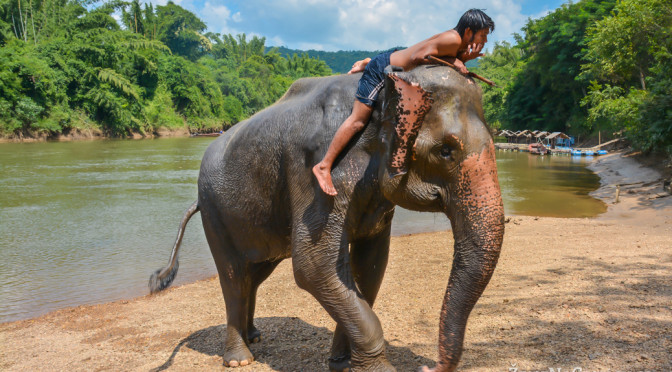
x=426, y=148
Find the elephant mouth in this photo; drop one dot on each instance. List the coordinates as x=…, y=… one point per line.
x=441, y=199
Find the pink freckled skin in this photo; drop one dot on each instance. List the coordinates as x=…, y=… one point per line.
x=479, y=232
x=456, y=140
x=413, y=104
x=478, y=181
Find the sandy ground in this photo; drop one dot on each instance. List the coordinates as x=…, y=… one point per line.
x=589, y=293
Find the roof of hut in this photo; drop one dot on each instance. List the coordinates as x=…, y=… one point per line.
x=506, y=133
x=557, y=135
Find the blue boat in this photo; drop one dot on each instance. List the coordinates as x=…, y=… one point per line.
x=589, y=153
x=601, y=152
x=576, y=153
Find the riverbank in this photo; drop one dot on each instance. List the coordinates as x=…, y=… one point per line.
x=589, y=293
x=93, y=133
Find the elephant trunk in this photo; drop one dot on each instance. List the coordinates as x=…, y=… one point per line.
x=477, y=216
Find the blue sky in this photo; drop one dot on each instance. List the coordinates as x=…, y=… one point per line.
x=356, y=24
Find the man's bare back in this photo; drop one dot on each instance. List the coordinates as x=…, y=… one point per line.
x=447, y=44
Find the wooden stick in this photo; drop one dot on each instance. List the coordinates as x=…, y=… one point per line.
x=481, y=78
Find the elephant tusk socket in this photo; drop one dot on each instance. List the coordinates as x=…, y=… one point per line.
x=481, y=78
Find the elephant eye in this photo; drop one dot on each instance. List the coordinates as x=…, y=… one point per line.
x=446, y=151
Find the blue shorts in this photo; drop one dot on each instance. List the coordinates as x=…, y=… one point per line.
x=373, y=78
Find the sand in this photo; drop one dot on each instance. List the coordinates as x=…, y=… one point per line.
x=594, y=294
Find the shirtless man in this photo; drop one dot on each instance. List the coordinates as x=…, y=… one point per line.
x=457, y=46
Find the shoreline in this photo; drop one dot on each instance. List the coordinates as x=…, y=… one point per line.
x=95, y=134
x=578, y=292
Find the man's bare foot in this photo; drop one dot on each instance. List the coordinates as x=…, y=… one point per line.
x=359, y=66
x=323, y=175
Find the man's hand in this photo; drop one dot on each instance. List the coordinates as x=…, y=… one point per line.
x=473, y=51
x=461, y=68
x=359, y=66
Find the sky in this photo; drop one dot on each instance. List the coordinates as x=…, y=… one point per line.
x=333, y=25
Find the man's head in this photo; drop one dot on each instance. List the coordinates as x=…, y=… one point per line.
x=475, y=20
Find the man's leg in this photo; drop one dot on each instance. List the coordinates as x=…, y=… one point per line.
x=353, y=124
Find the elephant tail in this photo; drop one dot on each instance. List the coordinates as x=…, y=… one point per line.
x=162, y=278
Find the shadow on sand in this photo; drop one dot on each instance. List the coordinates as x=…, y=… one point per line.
x=288, y=344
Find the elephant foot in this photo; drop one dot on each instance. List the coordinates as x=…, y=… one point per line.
x=380, y=365
x=339, y=363
x=253, y=335
x=239, y=357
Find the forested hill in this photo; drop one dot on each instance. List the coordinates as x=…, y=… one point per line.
x=589, y=66
x=67, y=66
x=340, y=62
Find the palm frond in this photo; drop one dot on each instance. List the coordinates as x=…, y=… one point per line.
x=118, y=81
x=149, y=44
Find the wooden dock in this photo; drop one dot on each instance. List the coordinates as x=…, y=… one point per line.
x=523, y=147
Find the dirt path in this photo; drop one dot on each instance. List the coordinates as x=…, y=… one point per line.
x=567, y=293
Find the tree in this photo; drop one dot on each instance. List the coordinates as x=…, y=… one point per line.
x=501, y=66
x=628, y=59
x=181, y=31
x=546, y=94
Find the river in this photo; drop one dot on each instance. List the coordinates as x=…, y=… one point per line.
x=88, y=222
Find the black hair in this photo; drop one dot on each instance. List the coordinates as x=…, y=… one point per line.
x=475, y=20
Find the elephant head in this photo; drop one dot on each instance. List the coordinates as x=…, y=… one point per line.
x=440, y=157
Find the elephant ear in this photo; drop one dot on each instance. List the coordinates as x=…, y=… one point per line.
x=408, y=105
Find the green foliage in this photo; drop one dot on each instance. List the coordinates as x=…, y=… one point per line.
x=630, y=53
x=501, y=66
x=546, y=94
x=339, y=62
x=181, y=31
x=160, y=112
x=588, y=66
x=65, y=65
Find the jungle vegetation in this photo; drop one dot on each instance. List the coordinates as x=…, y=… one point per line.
x=69, y=64
x=593, y=65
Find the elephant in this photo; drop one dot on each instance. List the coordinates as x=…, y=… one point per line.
x=426, y=148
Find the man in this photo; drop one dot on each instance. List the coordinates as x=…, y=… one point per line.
x=459, y=45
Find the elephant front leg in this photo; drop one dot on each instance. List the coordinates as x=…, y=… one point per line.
x=323, y=269
x=368, y=260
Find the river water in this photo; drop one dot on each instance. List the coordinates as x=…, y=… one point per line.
x=88, y=222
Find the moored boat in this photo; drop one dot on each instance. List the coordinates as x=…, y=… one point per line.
x=537, y=149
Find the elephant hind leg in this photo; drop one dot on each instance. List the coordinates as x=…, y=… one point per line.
x=235, y=288
x=260, y=272
x=235, y=280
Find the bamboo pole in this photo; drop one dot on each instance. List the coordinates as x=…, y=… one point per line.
x=439, y=60
x=33, y=22
x=23, y=26
x=14, y=25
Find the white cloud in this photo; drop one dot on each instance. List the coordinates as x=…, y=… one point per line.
x=352, y=24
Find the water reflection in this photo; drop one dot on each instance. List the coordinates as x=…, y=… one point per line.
x=552, y=186
x=87, y=222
